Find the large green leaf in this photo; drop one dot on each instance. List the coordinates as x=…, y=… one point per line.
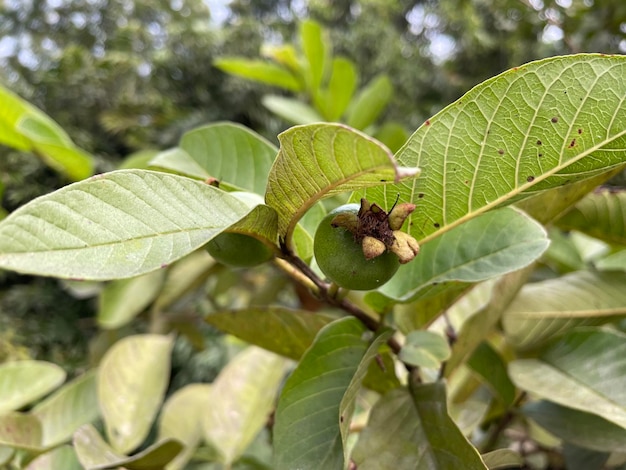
x=544, y=309
x=280, y=330
x=601, y=214
x=496, y=243
x=95, y=454
x=122, y=300
x=315, y=406
x=320, y=160
x=23, y=382
x=577, y=427
x=422, y=435
x=115, y=225
x=233, y=154
x=490, y=366
x=181, y=419
x=241, y=400
x=67, y=409
x=132, y=380
x=24, y=127
x=584, y=369
x=532, y=128
x=260, y=71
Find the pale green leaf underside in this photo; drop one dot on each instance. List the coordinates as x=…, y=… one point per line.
x=181, y=419
x=578, y=427
x=24, y=382
x=67, y=409
x=231, y=153
x=307, y=433
x=95, y=454
x=62, y=457
x=585, y=370
x=531, y=128
x=425, y=349
x=122, y=300
x=497, y=243
x=132, y=380
x=600, y=214
x=544, y=309
x=423, y=437
x=242, y=398
x=291, y=109
x=320, y=160
x=116, y=225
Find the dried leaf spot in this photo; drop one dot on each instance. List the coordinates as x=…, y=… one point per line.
x=541, y=154
x=501, y=151
x=420, y=195
x=530, y=179
x=539, y=142
x=580, y=131
x=555, y=119
x=427, y=122
x=436, y=224
x=572, y=143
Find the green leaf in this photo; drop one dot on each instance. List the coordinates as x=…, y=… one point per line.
x=544, y=309
x=577, y=427
x=241, y=400
x=178, y=161
x=485, y=316
x=95, y=454
x=6, y=454
x=313, y=46
x=132, y=380
x=335, y=99
x=496, y=243
x=370, y=102
x=24, y=127
x=425, y=349
x=502, y=459
x=24, y=382
x=67, y=409
x=324, y=160
x=601, y=214
x=183, y=276
x=490, y=366
x=139, y=160
x=393, y=135
x=181, y=419
x=115, y=225
x=21, y=431
x=122, y=300
x=315, y=406
x=62, y=457
x=584, y=370
x=238, y=157
x=259, y=71
x=423, y=434
x=381, y=374
x=613, y=262
x=280, y=330
x=532, y=128
x=291, y=109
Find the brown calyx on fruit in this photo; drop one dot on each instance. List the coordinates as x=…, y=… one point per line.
x=378, y=231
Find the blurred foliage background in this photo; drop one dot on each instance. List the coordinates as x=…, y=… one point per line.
x=122, y=76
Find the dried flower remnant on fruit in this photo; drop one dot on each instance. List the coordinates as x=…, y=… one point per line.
x=378, y=231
